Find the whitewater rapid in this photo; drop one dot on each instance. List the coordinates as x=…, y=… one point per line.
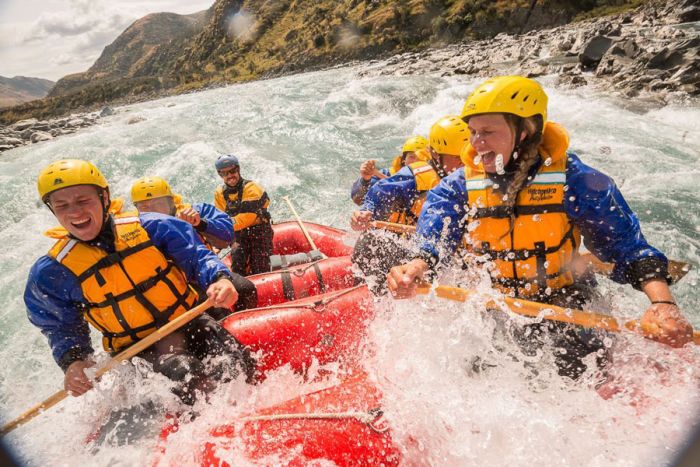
x=304, y=136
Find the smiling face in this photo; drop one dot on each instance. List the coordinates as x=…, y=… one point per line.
x=491, y=135
x=162, y=205
x=80, y=210
x=230, y=175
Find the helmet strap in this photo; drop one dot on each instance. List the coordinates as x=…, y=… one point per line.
x=103, y=194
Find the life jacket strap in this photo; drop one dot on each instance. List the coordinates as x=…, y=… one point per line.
x=504, y=212
x=523, y=254
x=112, y=259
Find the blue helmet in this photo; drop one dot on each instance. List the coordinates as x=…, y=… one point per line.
x=226, y=161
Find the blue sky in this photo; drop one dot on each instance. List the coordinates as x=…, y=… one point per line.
x=52, y=38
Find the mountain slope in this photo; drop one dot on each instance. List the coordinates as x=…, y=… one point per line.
x=140, y=50
x=20, y=89
x=239, y=40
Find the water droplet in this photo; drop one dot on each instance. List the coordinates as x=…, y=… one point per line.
x=477, y=159
x=548, y=291
x=516, y=155
x=572, y=198
x=566, y=187
x=548, y=161
x=496, y=186
x=537, y=218
x=499, y=164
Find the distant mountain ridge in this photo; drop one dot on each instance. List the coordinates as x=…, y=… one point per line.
x=240, y=40
x=143, y=49
x=20, y=89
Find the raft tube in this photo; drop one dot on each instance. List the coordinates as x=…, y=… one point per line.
x=325, y=328
x=303, y=281
x=289, y=239
x=341, y=425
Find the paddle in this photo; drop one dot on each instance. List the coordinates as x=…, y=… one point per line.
x=303, y=228
x=584, y=318
x=144, y=343
x=676, y=269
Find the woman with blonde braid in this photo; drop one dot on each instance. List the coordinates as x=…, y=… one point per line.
x=525, y=204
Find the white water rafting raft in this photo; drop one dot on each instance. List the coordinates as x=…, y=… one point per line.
x=314, y=320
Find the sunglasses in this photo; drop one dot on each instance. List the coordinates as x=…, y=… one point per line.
x=227, y=172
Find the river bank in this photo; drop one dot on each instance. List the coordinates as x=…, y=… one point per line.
x=651, y=54
x=650, y=57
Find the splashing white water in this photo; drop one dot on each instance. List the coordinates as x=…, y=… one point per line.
x=305, y=136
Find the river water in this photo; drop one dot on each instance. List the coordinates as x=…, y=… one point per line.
x=304, y=136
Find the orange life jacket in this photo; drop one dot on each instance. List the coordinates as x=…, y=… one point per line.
x=131, y=292
x=426, y=178
x=538, y=253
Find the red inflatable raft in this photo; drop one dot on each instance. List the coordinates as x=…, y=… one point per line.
x=341, y=424
x=325, y=328
x=289, y=239
x=303, y=281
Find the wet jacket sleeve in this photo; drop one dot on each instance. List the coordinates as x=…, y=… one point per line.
x=609, y=228
x=214, y=222
x=441, y=222
x=390, y=194
x=361, y=186
x=178, y=240
x=53, y=298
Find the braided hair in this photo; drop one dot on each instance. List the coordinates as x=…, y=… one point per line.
x=525, y=155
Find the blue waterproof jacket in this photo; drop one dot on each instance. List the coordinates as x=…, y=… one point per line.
x=53, y=295
x=361, y=186
x=609, y=228
x=214, y=222
x=385, y=196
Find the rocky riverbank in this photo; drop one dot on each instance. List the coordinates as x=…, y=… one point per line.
x=32, y=131
x=651, y=53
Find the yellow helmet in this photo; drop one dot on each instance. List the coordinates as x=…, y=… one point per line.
x=448, y=135
x=414, y=143
x=66, y=173
x=149, y=188
x=516, y=95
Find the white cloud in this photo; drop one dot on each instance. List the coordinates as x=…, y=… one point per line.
x=52, y=38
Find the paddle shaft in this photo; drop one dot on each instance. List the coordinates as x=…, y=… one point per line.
x=301, y=224
x=584, y=318
x=137, y=347
x=676, y=269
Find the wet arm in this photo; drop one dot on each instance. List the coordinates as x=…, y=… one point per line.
x=609, y=227
x=53, y=297
x=179, y=241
